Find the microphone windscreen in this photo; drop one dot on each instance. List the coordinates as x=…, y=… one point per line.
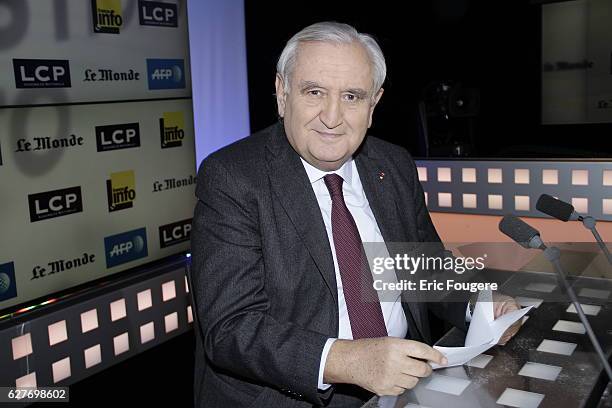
x=555, y=208
x=518, y=230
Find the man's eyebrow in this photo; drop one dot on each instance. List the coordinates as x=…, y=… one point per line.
x=361, y=93
x=308, y=84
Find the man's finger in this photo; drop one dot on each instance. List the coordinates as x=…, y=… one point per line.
x=509, y=306
x=425, y=352
x=407, y=382
x=393, y=392
x=508, y=334
x=416, y=368
x=503, y=304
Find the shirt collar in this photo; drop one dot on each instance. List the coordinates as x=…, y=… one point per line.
x=314, y=174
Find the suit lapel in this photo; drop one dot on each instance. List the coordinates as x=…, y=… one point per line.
x=291, y=185
x=378, y=189
x=378, y=185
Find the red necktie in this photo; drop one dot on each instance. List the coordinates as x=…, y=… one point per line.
x=366, y=317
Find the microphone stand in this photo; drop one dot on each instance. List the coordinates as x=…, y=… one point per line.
x=589, y=223
x=553, y=255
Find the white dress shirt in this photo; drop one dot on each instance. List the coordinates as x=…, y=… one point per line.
x=358, y=205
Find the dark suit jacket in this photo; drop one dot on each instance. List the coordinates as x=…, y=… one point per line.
x=263, y=274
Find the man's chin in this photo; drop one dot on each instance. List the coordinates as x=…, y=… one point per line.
x=329, y=163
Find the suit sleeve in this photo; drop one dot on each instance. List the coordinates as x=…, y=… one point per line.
x=452, y=312
x=228, y=271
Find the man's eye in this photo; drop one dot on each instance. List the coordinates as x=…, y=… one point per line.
x=351, y=97
x=314, y=92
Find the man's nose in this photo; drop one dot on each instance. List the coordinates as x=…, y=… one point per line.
x=331, y=113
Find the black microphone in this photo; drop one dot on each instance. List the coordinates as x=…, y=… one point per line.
x=521, y=232
x=565, y=212
x=529, y=237
x=556, y=208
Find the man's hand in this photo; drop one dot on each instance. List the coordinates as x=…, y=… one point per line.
x=503, y=304
x=384, y=366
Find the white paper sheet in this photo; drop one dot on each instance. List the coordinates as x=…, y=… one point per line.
x=484, y=332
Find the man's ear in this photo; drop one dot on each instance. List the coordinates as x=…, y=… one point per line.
x=281, y=97
x=376, y=99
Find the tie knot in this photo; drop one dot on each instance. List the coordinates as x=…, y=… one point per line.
x=334, y=184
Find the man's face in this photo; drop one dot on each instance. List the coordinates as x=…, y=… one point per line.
x=330, y=102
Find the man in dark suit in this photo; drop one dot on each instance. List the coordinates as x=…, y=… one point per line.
x=277, y=239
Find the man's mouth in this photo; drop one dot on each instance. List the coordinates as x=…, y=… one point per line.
x=328, y=134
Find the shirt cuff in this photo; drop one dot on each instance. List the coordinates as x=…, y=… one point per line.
x=324, y=354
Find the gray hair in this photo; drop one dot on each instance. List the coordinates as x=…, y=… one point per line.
x=337, y=33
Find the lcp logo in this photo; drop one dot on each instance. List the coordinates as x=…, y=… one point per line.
x=41, y=73
x=175, y=233
x=55, y=203
x=154, y=13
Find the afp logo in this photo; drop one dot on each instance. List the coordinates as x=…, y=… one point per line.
x=8, y=285
x=154, y=13
x=172, y=129
x=166, y=73
x=41, y=73
x=115, y=137
x=121, y=190
x=56, y=203
x=125, y=247
x=175, y=233
x=107, y=16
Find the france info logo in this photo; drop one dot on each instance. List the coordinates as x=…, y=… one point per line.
x=106, y=16
x=121, y=190
x=166, y=73
x=125, y=247
x=8, y=286
x=172, y=129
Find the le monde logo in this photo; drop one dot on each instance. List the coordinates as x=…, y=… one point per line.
x=61, y=265
x=46, y=143
x=109, y=75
